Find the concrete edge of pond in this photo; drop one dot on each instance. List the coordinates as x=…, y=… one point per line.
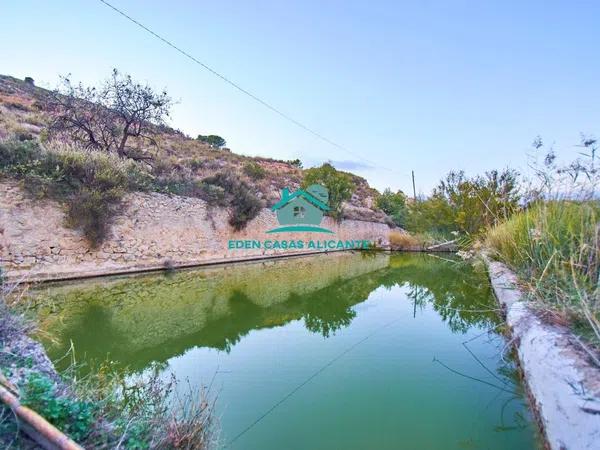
x=563, y=383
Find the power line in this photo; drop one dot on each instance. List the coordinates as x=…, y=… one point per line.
x=239, y=88
x=310, y=378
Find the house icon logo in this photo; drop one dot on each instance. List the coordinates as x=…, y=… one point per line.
x=302, y=210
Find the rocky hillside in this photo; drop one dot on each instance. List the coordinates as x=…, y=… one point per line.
x=23, y=116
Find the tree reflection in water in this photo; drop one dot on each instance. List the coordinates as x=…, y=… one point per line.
x=137, y=320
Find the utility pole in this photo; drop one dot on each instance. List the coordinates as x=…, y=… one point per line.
x=414, y=190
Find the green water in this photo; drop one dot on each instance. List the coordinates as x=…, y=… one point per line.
x=348, y=351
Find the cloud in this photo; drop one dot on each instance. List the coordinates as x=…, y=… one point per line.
x=351, y=165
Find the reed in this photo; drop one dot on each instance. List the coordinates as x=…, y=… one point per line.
x=554, y=247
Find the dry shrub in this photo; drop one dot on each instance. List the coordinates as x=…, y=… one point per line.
x=400, y=240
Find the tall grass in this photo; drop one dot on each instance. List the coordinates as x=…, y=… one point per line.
x=554, y=247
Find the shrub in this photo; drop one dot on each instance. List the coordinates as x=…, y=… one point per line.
x=339, y=185
x=213, y=194
x=245, y=205
x=394, y=205
x=90, y=183
x=466, y=205
x=69, y=415
x=254, y=170
x=17, y=156
x=403, y=241
x=92, y=211
x=295, y=163
x=196, y=164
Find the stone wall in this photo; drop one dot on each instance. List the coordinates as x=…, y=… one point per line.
x=153, y=231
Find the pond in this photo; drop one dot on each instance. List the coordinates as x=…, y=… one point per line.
x=344, y=350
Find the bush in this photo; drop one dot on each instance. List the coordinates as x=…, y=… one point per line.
x=466, y=205
x=254, y=170
x=394, y=205
x=196, y=164
x=403, y=241
x=17, y=156
x=90, y=183
x=245, y=205
x=339, y=185
x=555, y=248
x=92, y=211
x=212, y=194
x=74, y=417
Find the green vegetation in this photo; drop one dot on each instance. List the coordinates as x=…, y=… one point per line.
x=339, y=185
x=555, y=248
x=466, y=206
x=245, y=205
x=295, y=162
x=394, y=205
x=213, y=140
x=71, y=416
x=254, y=170
x=90, y=184
x=554, y=243
x=104, y=409
x=546, y=229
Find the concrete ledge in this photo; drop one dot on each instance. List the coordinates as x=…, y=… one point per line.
x=563, y=383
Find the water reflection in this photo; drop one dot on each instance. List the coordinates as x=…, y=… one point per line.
x=392, y=351
x=138, y=320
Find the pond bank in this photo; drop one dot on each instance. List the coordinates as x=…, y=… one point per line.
x=563, y=384
x=153, y=231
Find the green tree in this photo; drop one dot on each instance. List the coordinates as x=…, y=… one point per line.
x=394, y=205
x=255, y=170
x=295, y=162
x=213, y=140
x=339, y=185
x=467, y=205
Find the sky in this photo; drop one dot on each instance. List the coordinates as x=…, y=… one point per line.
x=401, y=86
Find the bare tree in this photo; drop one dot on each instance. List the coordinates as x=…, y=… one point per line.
x=104, y=118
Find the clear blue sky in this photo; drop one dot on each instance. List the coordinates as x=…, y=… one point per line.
x=429, y=86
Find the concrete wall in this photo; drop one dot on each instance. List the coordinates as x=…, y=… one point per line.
x=152, y=230
x=562, y=379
